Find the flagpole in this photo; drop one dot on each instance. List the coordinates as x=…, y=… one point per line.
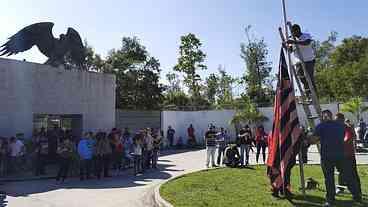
x=291, y=72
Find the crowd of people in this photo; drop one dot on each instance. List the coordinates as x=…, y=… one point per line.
x=96, y=154
x=218, y=140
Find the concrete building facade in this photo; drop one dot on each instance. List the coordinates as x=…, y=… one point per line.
x=31, y=93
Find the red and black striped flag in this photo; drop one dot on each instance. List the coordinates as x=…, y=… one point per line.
x=285, y=139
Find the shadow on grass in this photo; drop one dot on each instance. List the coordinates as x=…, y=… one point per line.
x=316, y=201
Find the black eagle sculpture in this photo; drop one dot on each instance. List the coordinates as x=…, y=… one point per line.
x=67, y=48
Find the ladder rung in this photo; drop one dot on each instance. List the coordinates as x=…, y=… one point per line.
x=342, y=186
x=313, y=117
x=306, y=102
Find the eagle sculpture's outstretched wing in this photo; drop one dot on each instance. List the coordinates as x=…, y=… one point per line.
x=39, y=34
x=76, y=48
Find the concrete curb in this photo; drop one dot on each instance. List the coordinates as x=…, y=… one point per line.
x=161, y=202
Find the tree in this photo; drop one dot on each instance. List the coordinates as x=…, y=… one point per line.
x=190, y=60
x=176, y=100
x=225, y=89
x=137, y=76
x=351, y=50
x=94, y=62
x=341, y=70
x=174, y=82
x=258, y=68
x=212, y=84
x=246, y=112
x=355, y=106
x=323, y=51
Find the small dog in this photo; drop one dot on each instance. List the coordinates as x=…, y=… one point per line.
x=312, y=184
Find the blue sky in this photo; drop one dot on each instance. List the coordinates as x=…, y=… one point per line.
x=159, y=24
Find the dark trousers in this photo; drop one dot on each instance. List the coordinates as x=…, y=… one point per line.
x=147, y=158
x=13, y=167
x=117, y=159
x=171, y=141
x=261, y=146
x=137, y=164
x=85, y=168
x=64, y=164
x=328, y=168
x=350, y=164
x=102, y=164
x=220, y=154
x=40, y=164
x=310, y=69
x=155, y=157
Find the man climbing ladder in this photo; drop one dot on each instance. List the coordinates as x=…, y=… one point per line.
x=304, y=42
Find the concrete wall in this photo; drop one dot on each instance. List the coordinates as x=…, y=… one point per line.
x=180, y=120
x=30, y=88
x=135, y=120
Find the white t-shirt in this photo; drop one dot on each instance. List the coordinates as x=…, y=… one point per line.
x=149, y=142
x=137, y=149
x=16, y=148
x=306, y=51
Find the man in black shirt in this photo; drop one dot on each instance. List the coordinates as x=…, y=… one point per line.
x=245, y=143
x=210, y=139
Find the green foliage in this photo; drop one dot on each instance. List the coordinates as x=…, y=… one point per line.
x=246, y=112
x=190, y=60
x=225, y=95
x=176, y=99
x=218, y=89
x=355, y=106
x=212, y=84
x=94, y=62
x=342, y=70
x=351, y=50
x=137, y=76
x=174, y=82
x=258, y=68
x=324, y=50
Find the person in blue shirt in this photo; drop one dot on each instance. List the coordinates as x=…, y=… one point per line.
x=331, y=135
x=85, y=151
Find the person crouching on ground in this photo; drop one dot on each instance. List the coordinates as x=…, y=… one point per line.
x=85, y=151
x=103, y=155
x=349, y=158
x=331, y=135
x=210, y=139
x=232, y=156
x=65, y=151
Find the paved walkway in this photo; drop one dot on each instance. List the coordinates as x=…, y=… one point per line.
x=123, y=190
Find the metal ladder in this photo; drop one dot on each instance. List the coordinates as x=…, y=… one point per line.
x=310, y=104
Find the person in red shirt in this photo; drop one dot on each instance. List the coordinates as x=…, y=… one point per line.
x=349, y=156
x=261, y=142
x=191, y=136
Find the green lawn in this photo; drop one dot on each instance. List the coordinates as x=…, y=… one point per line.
x=228, y=187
